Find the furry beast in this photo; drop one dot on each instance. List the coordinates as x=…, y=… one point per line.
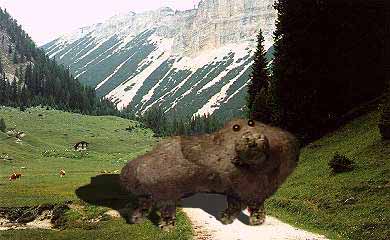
x=246, y=161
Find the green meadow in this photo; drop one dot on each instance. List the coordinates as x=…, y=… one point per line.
x=351, y=205
x=48, y=147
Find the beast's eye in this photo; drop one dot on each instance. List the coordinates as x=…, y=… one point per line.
x=236, y=128
x=251, y=123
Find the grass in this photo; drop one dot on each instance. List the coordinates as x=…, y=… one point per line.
x=352, y=205
x=113, y=229
x=48, y=147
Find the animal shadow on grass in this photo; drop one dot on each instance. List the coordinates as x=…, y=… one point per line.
x=104, y=190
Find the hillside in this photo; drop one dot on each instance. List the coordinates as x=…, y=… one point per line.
x=196, y=61
x=29, y=78
x=47, y=148
x=352, y=205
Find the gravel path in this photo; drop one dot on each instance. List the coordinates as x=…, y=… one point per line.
x=201, y=211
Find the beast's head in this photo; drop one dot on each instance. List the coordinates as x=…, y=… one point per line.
x=251, y=146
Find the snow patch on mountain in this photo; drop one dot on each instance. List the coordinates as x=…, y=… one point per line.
x=195, y=61
x=123, y=97
x=216, y=100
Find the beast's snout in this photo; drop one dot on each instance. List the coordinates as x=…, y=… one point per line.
x=251, y=149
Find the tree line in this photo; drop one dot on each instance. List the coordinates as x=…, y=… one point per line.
x=39, y=80
x=329, y=58
x=173, y=124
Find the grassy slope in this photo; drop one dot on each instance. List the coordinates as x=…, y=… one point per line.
x=314, y=199
x=48, y=147
x=311, y=198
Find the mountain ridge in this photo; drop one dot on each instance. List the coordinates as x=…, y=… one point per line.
x=195, y=61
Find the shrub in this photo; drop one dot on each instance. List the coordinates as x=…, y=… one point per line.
x=130, y=128
x=340, y=163
x=3, y=127
x=384, y=124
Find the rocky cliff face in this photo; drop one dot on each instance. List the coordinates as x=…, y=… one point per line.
x=217, y=23
x=195, y=61
x=7, y=52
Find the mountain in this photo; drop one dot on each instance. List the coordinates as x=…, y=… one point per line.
x=28, y=77
x=196, y=61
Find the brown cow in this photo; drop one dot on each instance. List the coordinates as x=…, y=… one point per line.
x=62, y=173
x=15, y=176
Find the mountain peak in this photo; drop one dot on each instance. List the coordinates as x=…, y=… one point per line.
x=165, y=9
x=199, y=58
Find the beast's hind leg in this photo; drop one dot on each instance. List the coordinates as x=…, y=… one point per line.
x=168, y=215
x=143, y=207
x=257, y=213
x=235, y=206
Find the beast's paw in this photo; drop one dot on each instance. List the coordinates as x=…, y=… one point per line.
x=136, y=217
x=257, y=219
x=226, y=219
x=167, y=224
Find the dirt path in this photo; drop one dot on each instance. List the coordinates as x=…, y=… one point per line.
x=201, y=210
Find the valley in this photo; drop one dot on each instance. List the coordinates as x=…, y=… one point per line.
x=74, y=111
x=301, y=201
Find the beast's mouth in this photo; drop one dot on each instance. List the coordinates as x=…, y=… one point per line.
x=251, y=150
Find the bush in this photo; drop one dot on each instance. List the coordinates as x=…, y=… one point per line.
x=130, y=128
x=134, y=127
x=340, y=163
x=3, y=127
x=384, y=124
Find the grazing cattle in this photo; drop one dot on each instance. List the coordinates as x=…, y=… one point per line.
x=81, y=146
x=15, y=176
x=246, y=161
x=62, y=173
x=20, y=135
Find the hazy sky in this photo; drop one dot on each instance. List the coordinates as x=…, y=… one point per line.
x=45, y=20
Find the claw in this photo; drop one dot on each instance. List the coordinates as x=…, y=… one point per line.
x=257, y=215
x=256, y=220
x=226, y=219
x=167, y=224
x=136, y=217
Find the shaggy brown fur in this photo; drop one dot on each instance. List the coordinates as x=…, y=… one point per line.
x=246, y=160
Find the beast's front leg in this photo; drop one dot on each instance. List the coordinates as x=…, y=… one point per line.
x=257, y=213
x=168, y=215
x=142, y=210
x=235, y=206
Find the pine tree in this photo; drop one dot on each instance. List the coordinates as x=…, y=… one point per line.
x=181, y=128
x=156, y=120
x=3, y=127
x=322, y=68
x=258, y=88
x=15, y=58
x=174, y=126
x=15, y=93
